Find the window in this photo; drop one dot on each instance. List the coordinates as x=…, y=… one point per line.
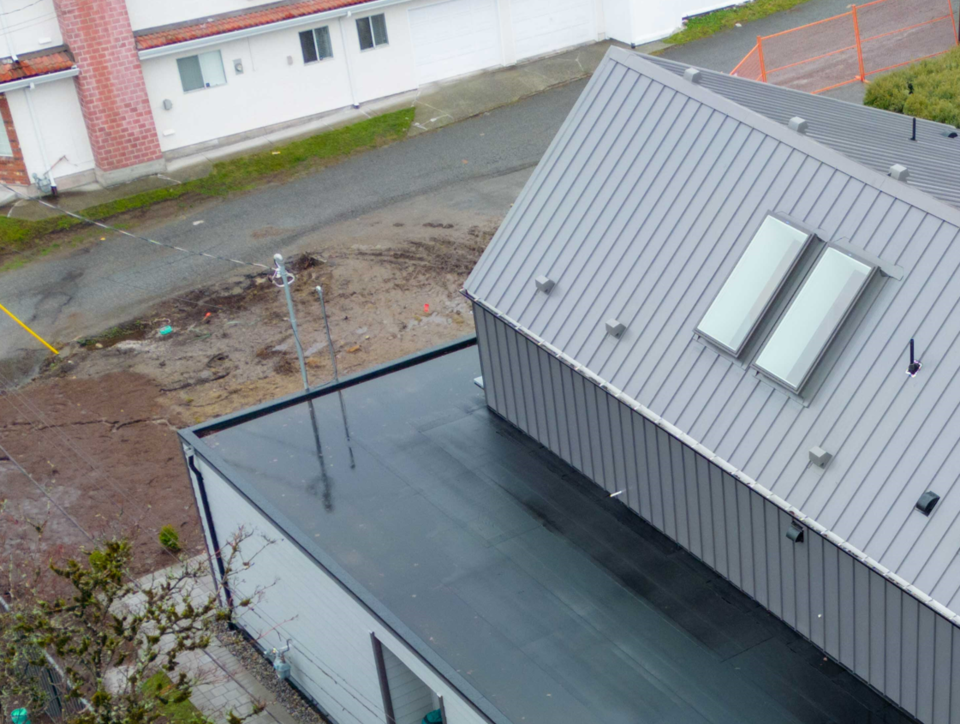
x=201, y=71
x=315, y=44
x=752, y=285
x=813, y=318
x=372, y=31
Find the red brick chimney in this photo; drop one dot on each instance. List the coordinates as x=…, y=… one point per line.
x=113, y=94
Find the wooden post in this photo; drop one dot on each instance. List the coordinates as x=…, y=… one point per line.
x=856, y=36
x=763, y=68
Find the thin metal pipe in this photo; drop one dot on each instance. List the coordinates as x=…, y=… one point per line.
x=293, y=319
x=336, y=376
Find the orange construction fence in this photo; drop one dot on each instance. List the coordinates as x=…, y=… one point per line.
x=847, y=48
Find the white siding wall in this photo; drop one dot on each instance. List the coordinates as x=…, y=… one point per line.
x=59, y=119
x=153, y=13
x=332, y=656
x=870, y=625
x=30, y=25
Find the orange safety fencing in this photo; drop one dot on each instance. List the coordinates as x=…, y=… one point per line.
x=847, y=48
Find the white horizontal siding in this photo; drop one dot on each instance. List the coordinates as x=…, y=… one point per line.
x=332, y=657
x=412, y=699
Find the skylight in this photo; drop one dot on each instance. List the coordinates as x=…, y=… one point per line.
x=753, y=283
x=813, y=318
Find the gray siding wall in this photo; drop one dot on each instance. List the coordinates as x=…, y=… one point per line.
x=870, y=625
x=332, y=657
x=412, y=699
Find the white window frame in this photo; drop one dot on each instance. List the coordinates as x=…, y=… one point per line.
x=206, y=85
x=369, y=20
x=316, y=46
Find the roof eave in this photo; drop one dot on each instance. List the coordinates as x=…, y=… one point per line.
x=39, y=79
x=207, y=41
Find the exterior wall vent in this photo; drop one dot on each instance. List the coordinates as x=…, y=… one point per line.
x=615, y=328
x=899, y=173
x=798, y=124
x=692, y=75
x=544, y=284
x=928, y=502
x=820, y=457
x=795, y=533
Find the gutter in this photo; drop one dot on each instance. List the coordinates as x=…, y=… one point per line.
x=196, y=43
x=39, y=79
x=711, y=456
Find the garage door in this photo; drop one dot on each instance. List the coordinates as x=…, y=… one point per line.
x=455, y=37
x=542, y=26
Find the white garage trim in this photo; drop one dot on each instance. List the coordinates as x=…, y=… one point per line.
x=455, y=37
x=543, y=26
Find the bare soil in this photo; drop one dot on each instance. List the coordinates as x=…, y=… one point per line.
x=96, y=429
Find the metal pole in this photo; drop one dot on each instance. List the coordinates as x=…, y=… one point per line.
x=763, y=66
x=857, y=39
x=336, y=376
x=293, y=318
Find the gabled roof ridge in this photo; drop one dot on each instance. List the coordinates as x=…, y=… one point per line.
x=802, y=143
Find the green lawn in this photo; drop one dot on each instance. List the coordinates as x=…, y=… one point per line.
x=928, y=89
x=183, y=713
x=706, y=25
x=239, y=174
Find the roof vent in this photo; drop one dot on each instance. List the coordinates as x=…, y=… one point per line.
x=798, y=124
x=951, y=134
x=544, y=284
x=928, y=502
x=820, y=457
x=899, y=173
x=795, y=533
x=692, y=75
x=615, y=328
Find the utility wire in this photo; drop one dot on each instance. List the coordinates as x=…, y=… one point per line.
x=20, y=10
x=102, y=225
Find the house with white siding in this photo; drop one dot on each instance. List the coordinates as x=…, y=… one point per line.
x=109, y=90
x=698, y=465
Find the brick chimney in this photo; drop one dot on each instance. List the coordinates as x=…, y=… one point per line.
x=113, y=94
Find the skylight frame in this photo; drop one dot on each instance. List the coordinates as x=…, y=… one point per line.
x=873, y=270
x=787, y=275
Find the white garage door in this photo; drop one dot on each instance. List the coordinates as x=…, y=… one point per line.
x=455, y=37
x=542, y=26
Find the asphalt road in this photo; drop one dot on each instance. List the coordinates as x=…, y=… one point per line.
x=116, y=279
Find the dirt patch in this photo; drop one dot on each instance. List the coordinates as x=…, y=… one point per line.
x=97, y=428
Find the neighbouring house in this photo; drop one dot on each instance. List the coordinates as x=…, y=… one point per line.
x=109, y=90
x=698, y=317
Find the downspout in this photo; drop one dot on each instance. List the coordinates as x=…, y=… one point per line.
x=46, y=183
x=346, y=59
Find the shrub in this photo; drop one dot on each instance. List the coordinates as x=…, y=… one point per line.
x=170, y=539
x=929, y=89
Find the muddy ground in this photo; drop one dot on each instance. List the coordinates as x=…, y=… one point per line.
x=96, y=429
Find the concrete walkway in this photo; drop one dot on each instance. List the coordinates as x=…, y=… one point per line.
x=226, y=685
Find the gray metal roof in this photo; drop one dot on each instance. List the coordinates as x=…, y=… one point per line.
x=877, y=139
x=639, y=210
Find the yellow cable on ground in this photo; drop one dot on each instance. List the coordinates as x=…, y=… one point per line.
x=34, y=334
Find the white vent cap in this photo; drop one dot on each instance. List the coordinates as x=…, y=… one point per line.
x=899, y=173
x=798, y=124
x=692, y=75
x=615, y=328
x=544, y=284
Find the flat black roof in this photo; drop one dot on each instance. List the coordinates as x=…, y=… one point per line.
x=542, y=599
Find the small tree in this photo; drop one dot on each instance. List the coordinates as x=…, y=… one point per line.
x=111, y=633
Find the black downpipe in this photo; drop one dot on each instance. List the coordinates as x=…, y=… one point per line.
x=213, y=531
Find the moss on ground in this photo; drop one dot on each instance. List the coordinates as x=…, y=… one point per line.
x=928, y=89
x=703, y=26
x=180, y=713
x=227, y=177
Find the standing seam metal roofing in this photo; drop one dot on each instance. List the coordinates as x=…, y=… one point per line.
x=876, y=138
x=639, y=210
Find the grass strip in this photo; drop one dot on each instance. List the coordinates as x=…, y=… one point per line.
x=929, y=89
x=227, y=177
x=703, y=26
